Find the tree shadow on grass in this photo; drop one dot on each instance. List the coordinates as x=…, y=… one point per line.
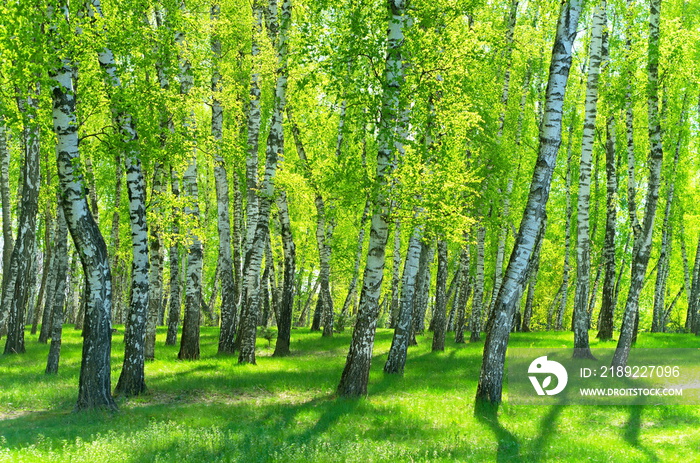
x=508, y=445
x=632, y=430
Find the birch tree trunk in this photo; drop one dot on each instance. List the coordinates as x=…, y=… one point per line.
x=607, y=310
x=583, y=240
x=399, y=344
x=658, y=321
x=229, y=306
x=61, y=256
x=155, y=273
x=15, y=297
x=131, y=380
x=439, y=317
x=642, y=248
x=422, y=294
x=498, y=330
x=52, y=266
x=8, y=239
x=174, y=258
x=279, y=22
x=533, y=273
x=355, y=376
x=352, y=288
x=189, y=342
x=478, y=301
x=559, y=325
x=94, y=390
x=395, y=276
x=284, y=317
x=464, y=289
x=115, y=239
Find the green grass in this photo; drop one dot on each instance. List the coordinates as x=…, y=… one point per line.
x=285, y=410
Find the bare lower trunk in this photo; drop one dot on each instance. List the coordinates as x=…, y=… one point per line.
x=402, y=334
x=607, y=310
x=352, y=288
x=155, y=273
x=284, y=319
x=439, y=321
x=61, y=253
x=174, y=258
x=15, y=296
x=189, y=342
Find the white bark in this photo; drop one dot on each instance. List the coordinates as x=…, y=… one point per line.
x=499, y=325
x=355, y=375
x=94, y=389
x=642, y=248
x=583, y=245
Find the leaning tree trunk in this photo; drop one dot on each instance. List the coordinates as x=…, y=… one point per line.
x=94, y=390
x=352, y=288
x=61, y=255
x=643, y=243
x=583, y=239
x=355, y=376
x=279, y=21
x=559, y=325
x=533, y=273
x=14, y=298
x=284, y=317
x=607, y=310
x=499, y=325
x=399, y=344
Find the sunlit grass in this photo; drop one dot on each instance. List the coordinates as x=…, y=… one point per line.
x=284, y=409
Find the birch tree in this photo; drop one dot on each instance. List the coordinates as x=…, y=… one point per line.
x=643, y=242
x=15, y=295
x=500, y=322
x=583, y=239
x=355, y=376
x=94, y=389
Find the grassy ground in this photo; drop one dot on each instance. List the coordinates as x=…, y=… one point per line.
x=285, y=410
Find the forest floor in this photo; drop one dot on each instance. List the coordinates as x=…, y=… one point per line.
x=285, y=410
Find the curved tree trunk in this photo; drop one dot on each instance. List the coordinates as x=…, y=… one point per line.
x=94, y=390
